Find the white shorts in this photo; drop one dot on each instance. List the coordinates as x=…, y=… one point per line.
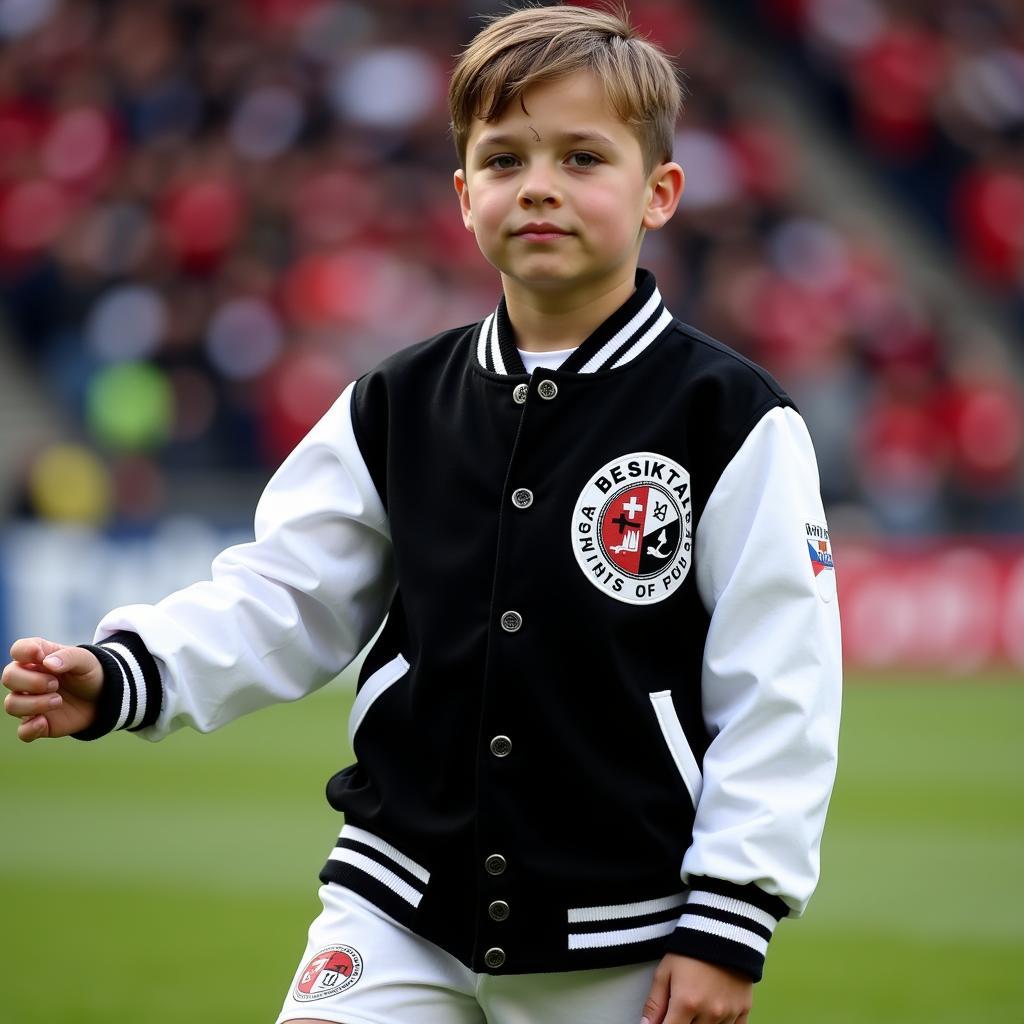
x=362, y=967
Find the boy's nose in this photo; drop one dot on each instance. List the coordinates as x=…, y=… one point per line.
x=538, y=189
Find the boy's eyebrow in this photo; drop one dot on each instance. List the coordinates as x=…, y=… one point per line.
x=505, y=139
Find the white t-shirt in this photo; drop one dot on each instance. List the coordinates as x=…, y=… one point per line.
x=551, y=360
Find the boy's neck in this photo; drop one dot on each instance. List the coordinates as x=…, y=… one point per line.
x=548, y=321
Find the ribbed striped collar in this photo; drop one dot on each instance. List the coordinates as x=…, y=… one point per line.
x=635, y=325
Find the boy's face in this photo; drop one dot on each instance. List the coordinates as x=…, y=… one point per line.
x=570, y=163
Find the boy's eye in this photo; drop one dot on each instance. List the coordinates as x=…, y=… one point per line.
x=506, y=161
x=496, y=164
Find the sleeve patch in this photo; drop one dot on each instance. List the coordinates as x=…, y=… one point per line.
x=819, y=551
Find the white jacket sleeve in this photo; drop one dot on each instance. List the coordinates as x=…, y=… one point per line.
x=281, y=616
x=771, y=684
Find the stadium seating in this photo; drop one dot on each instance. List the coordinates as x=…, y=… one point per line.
x=213, y=216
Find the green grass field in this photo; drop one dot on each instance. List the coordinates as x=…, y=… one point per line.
x=175, y=881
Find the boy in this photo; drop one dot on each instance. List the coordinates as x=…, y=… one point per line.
x=596, y=736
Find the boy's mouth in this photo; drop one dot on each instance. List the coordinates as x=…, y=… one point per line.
x=540, y=232
x=541, y=228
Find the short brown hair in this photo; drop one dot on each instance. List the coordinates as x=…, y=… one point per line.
x=540, y=44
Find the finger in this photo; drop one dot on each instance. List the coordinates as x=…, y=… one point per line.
x=62, y=660
x=34, y=729
x=687, y=1008
x=680, y=1014
x=712, y=1015
x=28, y=680
x=657, y=1001
x=18, y=705
x=32, y=649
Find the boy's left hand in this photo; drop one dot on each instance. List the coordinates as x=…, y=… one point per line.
x=688, y=991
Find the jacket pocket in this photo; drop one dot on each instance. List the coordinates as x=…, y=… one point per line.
x=675, y=739
x=382, y=680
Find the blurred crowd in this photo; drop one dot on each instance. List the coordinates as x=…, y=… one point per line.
x=934, y=90
x=216, y=213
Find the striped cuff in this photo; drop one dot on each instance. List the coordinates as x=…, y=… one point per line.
x=727, y=924
x=132, y=692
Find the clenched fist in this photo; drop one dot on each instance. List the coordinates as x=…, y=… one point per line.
x=53, y=687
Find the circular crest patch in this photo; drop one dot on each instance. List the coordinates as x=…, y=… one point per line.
x=332, y=970
x=631, y=528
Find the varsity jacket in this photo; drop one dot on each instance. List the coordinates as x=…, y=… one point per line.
x=600, y=722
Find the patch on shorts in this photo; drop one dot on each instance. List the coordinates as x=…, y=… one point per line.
x=332, y=970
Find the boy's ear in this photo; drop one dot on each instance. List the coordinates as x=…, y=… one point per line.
x=462, y=188
x=666, y=189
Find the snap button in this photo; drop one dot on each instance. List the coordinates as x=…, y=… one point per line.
x=520, y=393
x=522, y=498
x=495, y=864
x=494, y=957
x=498, y=910
x=501, y=746
x=511, y=621
x=547, y=389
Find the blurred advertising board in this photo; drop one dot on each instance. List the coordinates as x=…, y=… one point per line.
x=58, y=582
x=954, y=606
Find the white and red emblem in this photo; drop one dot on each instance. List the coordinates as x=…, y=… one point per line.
x=631, y=528
x=332, y=970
